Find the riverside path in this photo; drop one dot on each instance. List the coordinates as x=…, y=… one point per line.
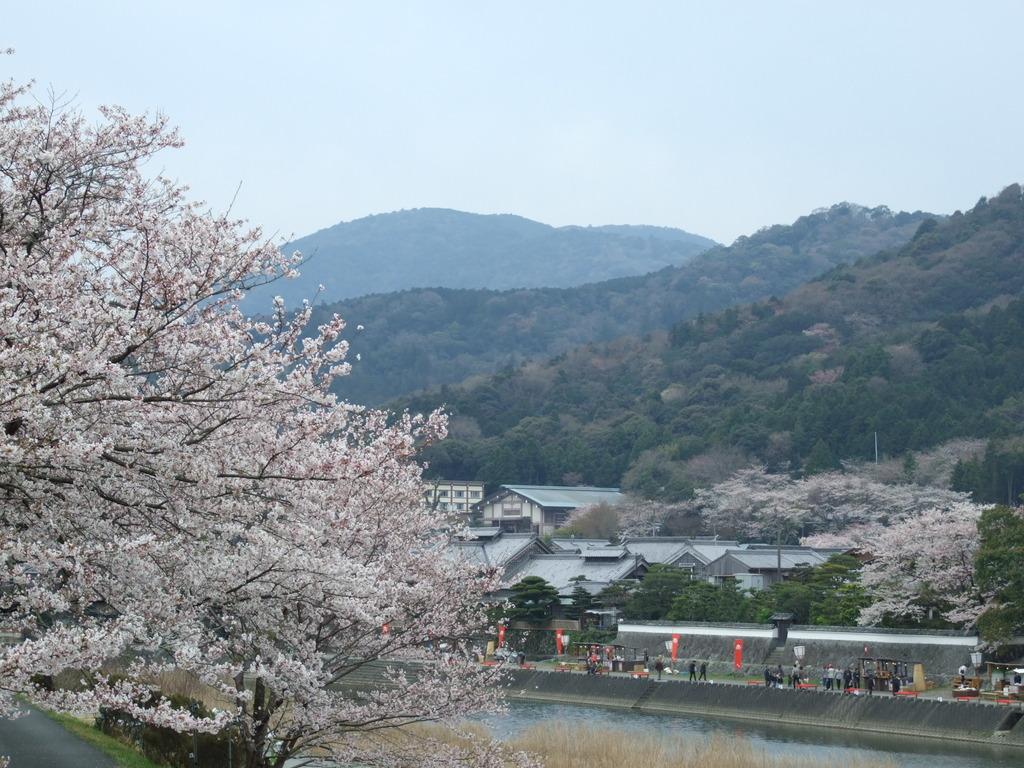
x=36, y=741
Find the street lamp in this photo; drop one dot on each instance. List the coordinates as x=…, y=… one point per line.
x=976, y=660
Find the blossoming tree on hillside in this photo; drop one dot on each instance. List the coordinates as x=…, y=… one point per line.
x=920, y=541
x=754, y=502
x=178, y=486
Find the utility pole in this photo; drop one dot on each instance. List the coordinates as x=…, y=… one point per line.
x=778, y=553
x=876, y=447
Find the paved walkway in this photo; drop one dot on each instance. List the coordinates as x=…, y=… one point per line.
x=36, y=741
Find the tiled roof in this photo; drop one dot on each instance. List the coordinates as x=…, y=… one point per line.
x=496, y=550
x=575, y=544
x=767, y=559
x=559, y=569
x=668, y=549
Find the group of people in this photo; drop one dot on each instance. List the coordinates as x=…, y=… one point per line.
x=832, y=679
x=695, y=677
x=777, y=678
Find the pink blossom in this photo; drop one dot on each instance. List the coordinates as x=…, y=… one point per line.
x=180, y=487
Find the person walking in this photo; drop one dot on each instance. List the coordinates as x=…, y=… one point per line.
x=779, y=676
x=895, y=684
x=647, y=659
x=870, y=680
x=693, y=671
x=767, y=677
x=659, y=666
x=703, y=671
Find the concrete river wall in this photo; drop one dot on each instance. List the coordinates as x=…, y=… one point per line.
x=879, y=714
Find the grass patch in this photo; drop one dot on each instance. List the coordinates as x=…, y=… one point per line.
x=122, y=754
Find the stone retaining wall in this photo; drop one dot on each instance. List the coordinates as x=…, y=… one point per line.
x=881, y=713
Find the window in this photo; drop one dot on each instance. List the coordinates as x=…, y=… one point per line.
x=474, y=494
x=460, y=494
x=443, y=494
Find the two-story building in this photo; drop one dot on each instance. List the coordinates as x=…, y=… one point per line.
x=453, y=495
x=540, y=508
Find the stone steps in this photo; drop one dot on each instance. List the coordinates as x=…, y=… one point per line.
x=779, y=655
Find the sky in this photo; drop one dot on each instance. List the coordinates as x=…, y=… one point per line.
x=716, y=117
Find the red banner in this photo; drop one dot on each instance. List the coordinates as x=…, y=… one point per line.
x=558, y=641
x=501, y=635
x=675, y=647
x=737, y=653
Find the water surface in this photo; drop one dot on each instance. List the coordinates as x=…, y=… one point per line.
x=911, y=752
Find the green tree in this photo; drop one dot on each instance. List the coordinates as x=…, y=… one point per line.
x=653, y=598
x=701, y=601
x=999, y=567
x=616, y=595
x=829, y=593
x=820, y=459
x=909, y=467
x=532, y=600
x=582, y=601
x=783, y=597
x=842, y=607
x=837, y=594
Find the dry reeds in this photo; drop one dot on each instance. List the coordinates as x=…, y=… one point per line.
x=181, y=683
x=573, y=746
x=564, y=746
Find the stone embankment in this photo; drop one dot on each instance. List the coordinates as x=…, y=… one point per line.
x=881, y=713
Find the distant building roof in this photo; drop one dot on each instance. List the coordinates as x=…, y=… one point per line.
x=670, y=549
x=494, y=547
x=560, y=569
x=566, y=496
x=575, y=544
x=767, y=559
x=488, y=532
x=603, y=553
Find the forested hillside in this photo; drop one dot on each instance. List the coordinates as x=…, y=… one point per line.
x=425, y=338
x=439, y=247
x=919, y=344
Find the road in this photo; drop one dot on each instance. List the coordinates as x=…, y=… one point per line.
x=36, y=741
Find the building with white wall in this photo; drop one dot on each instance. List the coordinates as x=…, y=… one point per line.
x=453, y=495
x=540, y=508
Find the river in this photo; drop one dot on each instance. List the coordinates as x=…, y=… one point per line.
x=906, y=752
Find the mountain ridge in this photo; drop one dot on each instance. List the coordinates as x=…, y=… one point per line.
x=921, y=344
x=427, y=247
x=422, y=338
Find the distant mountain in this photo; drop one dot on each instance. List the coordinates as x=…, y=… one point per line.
x=424, y=338
x=428, y=247
x=920, y=344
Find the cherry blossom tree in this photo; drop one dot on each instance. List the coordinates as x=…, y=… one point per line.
x=919, y=566
x=632, y=516
x=920, y=540
x=757, y=503
x=644, y=517
x=179, y=489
